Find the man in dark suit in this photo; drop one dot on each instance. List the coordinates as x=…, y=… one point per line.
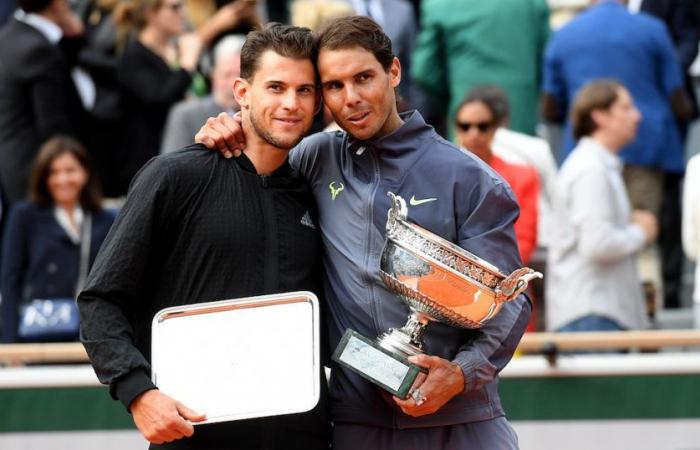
x=37, y=96
x=682, y=18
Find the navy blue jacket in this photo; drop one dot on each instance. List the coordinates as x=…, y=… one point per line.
x=462, y=200
x=39, y=260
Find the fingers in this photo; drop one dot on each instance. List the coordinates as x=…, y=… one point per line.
x=190, y=414
x=426, y=361
x=162, y=419
x=224, y=134
x=232, y=131
x=443, y=381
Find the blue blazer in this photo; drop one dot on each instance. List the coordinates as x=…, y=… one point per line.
x=39, y=260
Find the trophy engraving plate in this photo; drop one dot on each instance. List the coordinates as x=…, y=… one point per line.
x=392, y=372
x=241, y=358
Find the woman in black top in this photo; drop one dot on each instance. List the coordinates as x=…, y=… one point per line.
x=153, y=74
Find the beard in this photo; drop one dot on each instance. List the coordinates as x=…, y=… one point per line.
x=283, y=143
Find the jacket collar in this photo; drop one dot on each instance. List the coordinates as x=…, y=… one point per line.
x=395, y=152
x=282, y=176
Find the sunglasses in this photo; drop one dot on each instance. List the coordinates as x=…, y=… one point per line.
x=483, y=127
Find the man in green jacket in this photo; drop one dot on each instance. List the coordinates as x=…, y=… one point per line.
x=482, y=42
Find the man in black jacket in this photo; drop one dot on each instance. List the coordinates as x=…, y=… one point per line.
x=37, y=96
x=197, y=228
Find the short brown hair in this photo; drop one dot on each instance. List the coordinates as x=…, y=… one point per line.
x=285, y=40
x=90, y=196
x=596, y=95
x=357, y=31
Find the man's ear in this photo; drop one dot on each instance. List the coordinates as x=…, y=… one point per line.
x=598, y=116
x=395, y=72
x=241, y=91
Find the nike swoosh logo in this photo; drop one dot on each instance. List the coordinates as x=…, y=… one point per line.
x=415, y=202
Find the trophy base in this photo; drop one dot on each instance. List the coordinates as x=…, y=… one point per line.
x=388, y=370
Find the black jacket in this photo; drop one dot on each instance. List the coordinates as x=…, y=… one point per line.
x=37, y=100
x=195, y=227
x=149, y=87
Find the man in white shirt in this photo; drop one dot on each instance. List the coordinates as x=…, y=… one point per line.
x=592, y=280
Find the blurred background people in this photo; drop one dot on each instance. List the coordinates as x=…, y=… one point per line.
x=38, y=95
x=682, y=18
x=473, y=42
x=592, y=281
x=313, y=14
x=154, y=73
x=7, y=8
x=42, y=239
x=214, y=19
x=398, y=20
x=186, y=117
x=608, y=41
x=691, y=226
x=482, y=112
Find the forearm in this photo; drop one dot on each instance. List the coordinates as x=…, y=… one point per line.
x=483, y=358
x=108, y=339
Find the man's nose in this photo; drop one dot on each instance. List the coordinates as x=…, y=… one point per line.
x=291, y=100
x=352, y=96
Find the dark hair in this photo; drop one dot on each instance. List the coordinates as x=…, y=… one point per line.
x=493, y=97
x=357, y=31
x=596, y=95
x=285, y=40
x=90, y=196
x=33, y=6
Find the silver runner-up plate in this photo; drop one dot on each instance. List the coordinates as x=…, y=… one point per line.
x=241, y=358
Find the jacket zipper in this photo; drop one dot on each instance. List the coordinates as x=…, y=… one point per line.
x=368, y=237
x=271, y=273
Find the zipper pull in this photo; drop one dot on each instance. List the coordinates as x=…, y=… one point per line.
x=263, y=178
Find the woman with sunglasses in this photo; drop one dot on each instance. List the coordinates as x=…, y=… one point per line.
x=483, y=110
x=154, y=73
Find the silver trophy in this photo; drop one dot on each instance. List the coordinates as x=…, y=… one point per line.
x=439, y=281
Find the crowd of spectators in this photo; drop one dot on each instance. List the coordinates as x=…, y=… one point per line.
x=117, y=82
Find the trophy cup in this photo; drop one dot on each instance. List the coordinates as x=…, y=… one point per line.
x=439, y=281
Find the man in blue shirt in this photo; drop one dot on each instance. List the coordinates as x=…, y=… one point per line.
x=636, y=49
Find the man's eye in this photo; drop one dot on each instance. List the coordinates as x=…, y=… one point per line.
x=275, y=88
x=333, y=86
x=364, y=77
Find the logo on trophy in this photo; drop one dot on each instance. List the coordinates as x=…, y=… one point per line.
x=439, y=281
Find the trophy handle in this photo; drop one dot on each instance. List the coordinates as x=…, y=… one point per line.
x=398, y=210
x=514, y=284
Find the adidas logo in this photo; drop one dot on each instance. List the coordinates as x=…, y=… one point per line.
x=306, y=220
